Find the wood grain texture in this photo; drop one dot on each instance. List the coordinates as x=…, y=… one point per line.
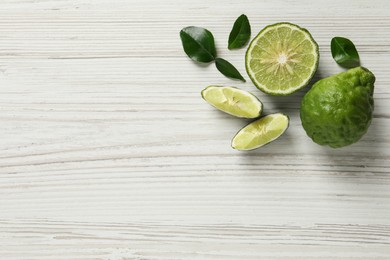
x=107, y=150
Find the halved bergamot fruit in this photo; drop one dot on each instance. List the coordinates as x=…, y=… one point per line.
x=233, y=101
x=260, y=132
x=282, y=59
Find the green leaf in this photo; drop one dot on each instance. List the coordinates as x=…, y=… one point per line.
x=240, y=34
x=198, y=44
x=227, y=69
x=344, y=52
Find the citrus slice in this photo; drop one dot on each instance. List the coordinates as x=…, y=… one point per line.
x=282, y=59
x=233, y=101
x=260, y=132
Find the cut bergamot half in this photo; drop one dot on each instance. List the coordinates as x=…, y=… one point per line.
x=282, y=59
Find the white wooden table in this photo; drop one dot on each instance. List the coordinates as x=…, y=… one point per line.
x=109, y=152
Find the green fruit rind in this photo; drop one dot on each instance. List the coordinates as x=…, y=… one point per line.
x=293, y=89
x=260, y=132
x=337, y=110
x=233, y=101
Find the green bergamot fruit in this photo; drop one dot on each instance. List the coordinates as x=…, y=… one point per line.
x=337, y=110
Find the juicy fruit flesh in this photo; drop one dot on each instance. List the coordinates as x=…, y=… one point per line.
x=282, y=59
x=260, y=132
x=337, y=111
x=233, y=101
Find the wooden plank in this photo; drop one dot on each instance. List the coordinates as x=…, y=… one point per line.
x=107, y=150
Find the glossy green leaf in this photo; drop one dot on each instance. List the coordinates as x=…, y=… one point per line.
x=240, y=34
x=227, y=69
x=344, y=52
x=198, y=44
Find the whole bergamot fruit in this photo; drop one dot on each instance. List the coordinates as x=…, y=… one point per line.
x=337, y=110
